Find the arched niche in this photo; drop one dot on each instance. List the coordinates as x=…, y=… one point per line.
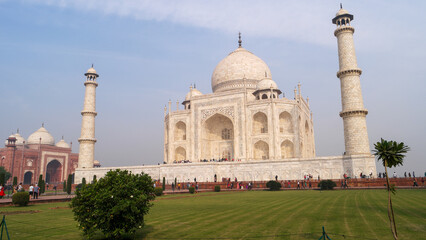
x=217, y=140
x=260, y=123
x=28, y=177
x=261, y=150
x=180, y=131
x=287, y=149
x=286, y=124
x=180, y=154
x=54, y=172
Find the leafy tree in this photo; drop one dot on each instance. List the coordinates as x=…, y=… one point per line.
x=83, y=182
x=15, y=181
x=94, y=179
x=69, y=186
x=64, y=188
x=115, y=205
x=391, y=154
x=4, y=175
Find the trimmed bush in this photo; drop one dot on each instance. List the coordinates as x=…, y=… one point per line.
x=164, y=183
x=217, y=188
x=158, y=191
x=83, y=182
x=115, y=205
x=69, y=186
x=15, y=181
x=21, y=199
x=191, y=190
x=64, y=187
x=326, y=185
x=273, y=185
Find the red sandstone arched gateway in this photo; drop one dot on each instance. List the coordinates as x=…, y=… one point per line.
x=54, y=172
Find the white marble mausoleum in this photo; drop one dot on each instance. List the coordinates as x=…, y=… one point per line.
x=246, y=128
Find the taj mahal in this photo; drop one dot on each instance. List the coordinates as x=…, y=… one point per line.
x=246, y=128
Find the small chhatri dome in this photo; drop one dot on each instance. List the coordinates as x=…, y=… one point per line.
x=62, y=144
x=91, y=71
x=238, y=67
x=96, y=163
x=266, y=83
x=341, y=12
x=19, y=139
x=193, y=92
x=45, y=136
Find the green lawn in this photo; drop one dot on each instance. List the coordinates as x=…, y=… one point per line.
x=357, y=214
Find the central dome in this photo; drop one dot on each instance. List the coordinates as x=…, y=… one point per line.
x=238, y=65
x=42, y=134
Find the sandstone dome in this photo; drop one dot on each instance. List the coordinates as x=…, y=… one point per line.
x=193, y=92
x=45, y=136
x=238, y=65
x=266, y=83
x=62, y=144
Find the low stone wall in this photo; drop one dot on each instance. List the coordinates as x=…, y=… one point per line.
x=260, y=170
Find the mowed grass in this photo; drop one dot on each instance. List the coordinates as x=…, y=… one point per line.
x=356, y=214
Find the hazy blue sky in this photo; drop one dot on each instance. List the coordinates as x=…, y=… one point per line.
x=147, y=52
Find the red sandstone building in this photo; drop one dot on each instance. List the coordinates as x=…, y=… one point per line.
x=38, y=155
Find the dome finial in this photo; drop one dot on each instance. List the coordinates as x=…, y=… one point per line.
x=239, y=39
x=341, y=6
x=42, y=124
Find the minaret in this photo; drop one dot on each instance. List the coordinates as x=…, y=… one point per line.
x=87, y=139
x=353, y=111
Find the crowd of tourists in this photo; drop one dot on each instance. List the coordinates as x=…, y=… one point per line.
x=34, y=190
x=208, y=160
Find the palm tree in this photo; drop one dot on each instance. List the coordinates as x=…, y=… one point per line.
x=391, y=154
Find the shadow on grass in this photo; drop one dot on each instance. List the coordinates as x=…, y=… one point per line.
x=140, y=234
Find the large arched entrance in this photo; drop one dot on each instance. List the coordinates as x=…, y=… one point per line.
x=54, y=172
x=217, y=138
x=28, y=177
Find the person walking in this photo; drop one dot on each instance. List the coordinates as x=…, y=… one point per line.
x=2, y=194
x=31, y=190
x=298, y=184
x=36, y=191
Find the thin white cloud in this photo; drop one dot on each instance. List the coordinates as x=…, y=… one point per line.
x=289, y=20
x=304, y=21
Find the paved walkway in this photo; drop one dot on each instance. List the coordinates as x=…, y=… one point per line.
x=41, y=199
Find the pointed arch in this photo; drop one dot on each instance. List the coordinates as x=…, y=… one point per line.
x=287, y=149
x=180, y=154
x=286, y=124
x=28, y=176
x=260, y=123
x=217, y=137
x=261, y=150
x=180, y=131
